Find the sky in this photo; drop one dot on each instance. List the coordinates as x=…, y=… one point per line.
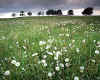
x=34, y=4
x=37, y=5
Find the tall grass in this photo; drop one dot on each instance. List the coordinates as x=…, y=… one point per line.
x=50, y=48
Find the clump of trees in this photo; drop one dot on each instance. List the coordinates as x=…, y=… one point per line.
x=13, y=15
x=54, y=12
x=59, y=12
x=39, y=13
x=22, y=13
x=70, y=12
x=29, y=13
x=88, y=11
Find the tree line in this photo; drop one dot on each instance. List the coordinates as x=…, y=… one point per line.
x=86, y=12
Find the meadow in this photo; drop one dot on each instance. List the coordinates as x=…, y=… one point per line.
x=50, y=48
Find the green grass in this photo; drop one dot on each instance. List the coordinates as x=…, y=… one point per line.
x=74, y=38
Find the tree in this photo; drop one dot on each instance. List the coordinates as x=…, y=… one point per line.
x=39, y=13
x=22, y=13
x=50, y=12
x=70, y=12
x=54, y=12
x=59, y=12
x=88, y=11
x=13, y=14
x=29, y=13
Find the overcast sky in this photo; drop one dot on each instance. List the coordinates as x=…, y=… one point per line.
x=63, y=4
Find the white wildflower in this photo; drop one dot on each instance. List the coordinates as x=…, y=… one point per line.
x=50, y=53
x=33, y=43
x=17, y=43
x=50, y=41
x=17, y=64
x=42, y=43
x=50, y=74
x=62, y=65
x=54, y=52
x=65, y=50
x=34, y=54
x=6, y=58
x=13, y=62
x=55, y=48
x=7, y=73
x=58, y=53
x=77, y=50
x=67, y=35
x=57, y=68
x=73, y=41
x=61, y=34
x=25, y=41
x=93, y=60
x=3, y=37
x=14, y=57
x=55, y=57
x=24, y=52
x=67, y=60
x=94, y=41
x=45, y=56
x=48, y=46
x=43, y=61
x=83, y=41
x=67, y=64
x=81, y=68
x=45, y=64
x=97, y=52
x=98, y=42
x=24, y=47
x=70, y=45
x=23, y=69
x=98, y=46
x=76, y=78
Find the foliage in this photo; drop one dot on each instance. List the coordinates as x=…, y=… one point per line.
x=22, y=13
x=29, y=13
x=54, y=12
x=70, y=12
x=88, y=11
x=39, y=13
x=13, y=14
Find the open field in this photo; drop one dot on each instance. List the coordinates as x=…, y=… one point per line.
x=50, y=48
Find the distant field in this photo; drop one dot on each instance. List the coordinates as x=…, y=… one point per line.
x=50, y=48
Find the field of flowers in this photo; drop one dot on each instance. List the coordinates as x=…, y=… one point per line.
x=50, y=48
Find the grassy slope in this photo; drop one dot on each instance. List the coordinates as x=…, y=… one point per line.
x=35, y=29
